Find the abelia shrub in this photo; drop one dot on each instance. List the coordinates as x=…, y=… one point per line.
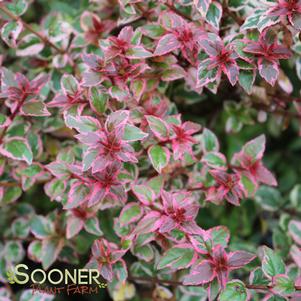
x=155, y=141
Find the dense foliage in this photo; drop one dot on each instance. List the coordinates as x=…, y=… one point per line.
x=156, y=141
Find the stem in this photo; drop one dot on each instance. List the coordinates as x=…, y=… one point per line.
x=277, y=111
x=9, y=184
x=30, y=28
x=175, y=10
x=231, y=14
x=178, y=283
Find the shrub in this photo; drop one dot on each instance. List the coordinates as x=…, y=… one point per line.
x=154, y=141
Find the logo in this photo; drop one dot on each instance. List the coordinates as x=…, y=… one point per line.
x=55, y=281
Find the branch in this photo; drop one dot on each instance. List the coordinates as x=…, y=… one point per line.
x=175, y=10
x=178, y=283
x=277, y=111
x=231, y=14
x=31, y=29
x=9, y=184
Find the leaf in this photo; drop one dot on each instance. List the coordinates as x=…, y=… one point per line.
x=41, y=227
x=257, y=277
x=200, y=274
x=55, y=188
x=144, y=194
x=214, y=14
x=83, y=124
x=77, y=195
x=158, y=126
x=294, y=228
x=92, y=226
x=17, y=7
x=268, y=70
x=34, y=107
x=252, y=20
x=166, y=44
x=295, y=196
x=178, y=257
x=215, y=160
x=35, y=250
x=206, y=75
x=69, y=84
x=283, y=285
x=14, y=252
x=29, y=45
x=159, y=157
x=138, y=52
x=272, y=264
x=130, y=213
x=235, y=291
x=10, y=33
x=220, y=235
x=269, y=198
x=250, y=187
x=98, y=100
x=295, y=253
x=202, y=6
x=20, y=227
x=246, y=79
x=255, y=148
x=133, y=133
x=17, y=148
x=4, y=121
x=209, y=141
x=50, y=251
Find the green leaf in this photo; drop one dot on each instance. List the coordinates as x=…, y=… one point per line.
x=220, y=235
x=50, y=251
x=272, y=263
x=158, y=127
x=34, y=108
x=17, y=7
x=98, y=100
x=10, y=32
x=246, y=79
x=269, y=198
x=92, y=226
x=133, y=133
x=283, y=285
x=14, y=251
x=159, y=157
x=294, y=228
x=18, y=149
x=178, y=257
x=295, y=196
x=209, y=141
x=252, y=20
x=215, y=160
x=235, y=291
x=214, y=14
x=258, y=278
x=35, y=250
x=20, y=227
x=55, y=188
x=248, y=184
x=11, y=194
x=41, y=227
x=144, y=193
x=69, y=84
x=130, y=213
